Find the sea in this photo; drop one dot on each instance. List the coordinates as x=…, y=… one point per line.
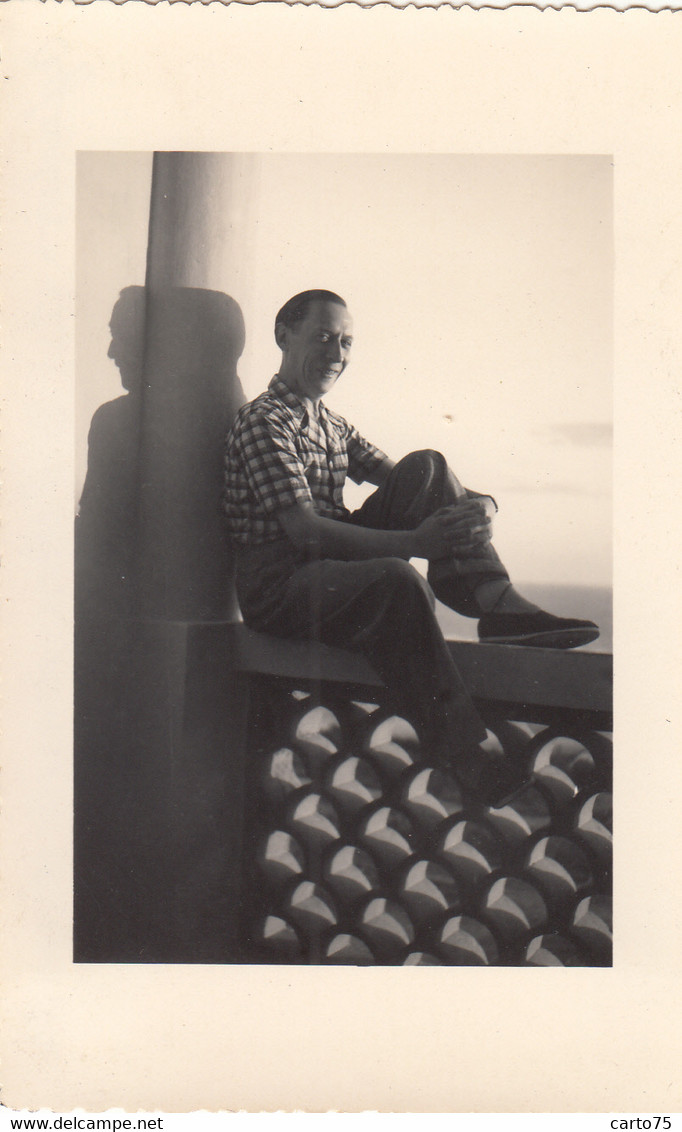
x=592, y=602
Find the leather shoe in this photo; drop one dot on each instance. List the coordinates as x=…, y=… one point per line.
x=537, y=630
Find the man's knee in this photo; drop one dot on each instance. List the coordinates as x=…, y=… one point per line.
x=427, y=472
x=423, y=462
x=423, y=482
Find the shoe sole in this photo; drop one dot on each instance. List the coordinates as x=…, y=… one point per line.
x=550, y=639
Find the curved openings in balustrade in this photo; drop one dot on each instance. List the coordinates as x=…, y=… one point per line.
x=364, y=853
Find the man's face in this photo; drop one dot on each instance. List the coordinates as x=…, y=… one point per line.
x=127, y=339
x=316, y=350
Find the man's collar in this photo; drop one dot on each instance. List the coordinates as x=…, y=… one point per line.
x=284, y=394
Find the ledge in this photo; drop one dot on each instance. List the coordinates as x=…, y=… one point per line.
x=536, y=685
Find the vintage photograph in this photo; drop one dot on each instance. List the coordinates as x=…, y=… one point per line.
x=343, y=629
x=340, y=355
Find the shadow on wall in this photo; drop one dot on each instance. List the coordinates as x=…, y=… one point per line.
x=151, y=555
x=106, y=523
x=149, y=516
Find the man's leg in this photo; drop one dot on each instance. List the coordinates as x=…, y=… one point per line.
x=476, y=584
x=384, y=609
x=420, y=484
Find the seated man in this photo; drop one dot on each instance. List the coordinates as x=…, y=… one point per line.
x=307, y=568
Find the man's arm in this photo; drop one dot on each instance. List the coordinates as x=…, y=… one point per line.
x=379, y=474
x=449, y=530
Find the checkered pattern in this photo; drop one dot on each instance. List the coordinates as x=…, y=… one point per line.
x=277, y=455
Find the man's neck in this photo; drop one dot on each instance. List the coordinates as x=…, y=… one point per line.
x=312, y=405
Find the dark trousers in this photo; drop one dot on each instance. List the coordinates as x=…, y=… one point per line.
x=383, y=607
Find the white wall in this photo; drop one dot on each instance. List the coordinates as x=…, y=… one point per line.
x=481, y=291
x=112, y=222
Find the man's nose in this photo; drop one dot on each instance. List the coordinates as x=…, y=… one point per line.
x=334, y=351
x=110, y=351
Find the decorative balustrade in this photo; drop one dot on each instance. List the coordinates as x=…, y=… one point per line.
x=359, y=851
x=241, y=799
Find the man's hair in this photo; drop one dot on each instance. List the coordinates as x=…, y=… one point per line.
x=295, y=310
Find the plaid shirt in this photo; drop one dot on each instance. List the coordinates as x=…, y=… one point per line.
x=277, y=456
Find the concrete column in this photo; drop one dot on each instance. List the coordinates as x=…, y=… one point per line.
x=159, y=713
x=195, y=336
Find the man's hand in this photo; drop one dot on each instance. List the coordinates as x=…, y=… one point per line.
x=457, y=530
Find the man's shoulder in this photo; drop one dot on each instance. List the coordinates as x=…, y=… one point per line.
x=265, y=407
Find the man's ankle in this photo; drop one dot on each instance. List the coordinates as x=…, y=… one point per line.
x=500, y=596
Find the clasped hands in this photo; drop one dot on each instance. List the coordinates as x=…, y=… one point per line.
x=457, y=530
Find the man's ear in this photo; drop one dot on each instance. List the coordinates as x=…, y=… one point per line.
x=281, y=335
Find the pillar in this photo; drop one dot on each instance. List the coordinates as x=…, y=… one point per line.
x=195, y=336
x=158, y=742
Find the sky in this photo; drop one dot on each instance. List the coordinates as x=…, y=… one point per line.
x=481, y=292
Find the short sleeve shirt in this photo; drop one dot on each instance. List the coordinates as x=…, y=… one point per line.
x=277, y=455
